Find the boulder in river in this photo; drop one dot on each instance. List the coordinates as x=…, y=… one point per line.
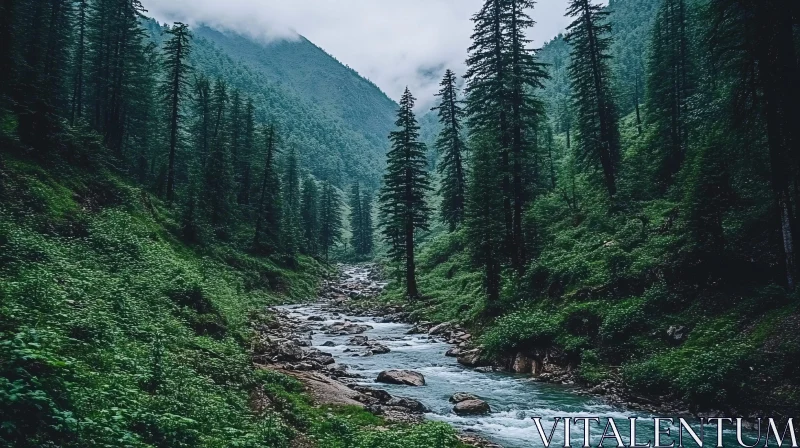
x=472, y=407
x=329, y=344
x=458, y=397
x=454, y=352
x=379, y=349
x=471, y=358
x=358, y=340
x=403, y=377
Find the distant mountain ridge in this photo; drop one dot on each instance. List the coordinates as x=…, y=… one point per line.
x=315, y=75
x=337, y=121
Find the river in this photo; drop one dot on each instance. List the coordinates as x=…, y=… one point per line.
x=514, y=399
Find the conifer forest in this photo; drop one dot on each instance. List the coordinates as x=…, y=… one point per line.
x=612, y=212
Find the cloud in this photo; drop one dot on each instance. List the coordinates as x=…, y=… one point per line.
x=394, y=44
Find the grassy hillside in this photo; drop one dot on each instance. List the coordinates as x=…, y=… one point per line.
x=113, y=332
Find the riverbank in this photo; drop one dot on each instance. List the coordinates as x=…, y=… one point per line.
x=285, y=344
x=548, y=365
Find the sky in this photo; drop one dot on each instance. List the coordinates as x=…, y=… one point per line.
x=393, y=43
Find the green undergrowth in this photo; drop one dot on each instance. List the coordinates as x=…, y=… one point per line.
x=113, y=333
x=451, y=288
x=603, y=290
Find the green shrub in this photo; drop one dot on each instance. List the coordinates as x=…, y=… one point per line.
x=527, y=328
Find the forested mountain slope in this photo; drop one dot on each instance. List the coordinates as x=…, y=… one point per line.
x=316, y=77
x=337, y=120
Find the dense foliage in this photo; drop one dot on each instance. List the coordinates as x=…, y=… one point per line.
x=151, y=207
x=660, y=197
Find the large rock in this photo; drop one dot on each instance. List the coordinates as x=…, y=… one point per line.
x=358, y=340
x=440, y=329
x=522, y=364
x=458, y=397
x=379, y=349
x=471, y=358
x=472, y=407
x=403, y=377
x=289, y=351
x=412, y=405
x=454, y=352
x=677, y=333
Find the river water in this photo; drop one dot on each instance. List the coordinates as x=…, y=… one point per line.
x=514, y=399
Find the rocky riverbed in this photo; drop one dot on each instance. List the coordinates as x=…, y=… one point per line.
x=349, y=351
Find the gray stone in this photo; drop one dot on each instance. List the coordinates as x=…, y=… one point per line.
x=403, y=377
x=472, y=407
x=458, y=397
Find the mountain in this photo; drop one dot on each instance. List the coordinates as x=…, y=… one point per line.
x=337, y=120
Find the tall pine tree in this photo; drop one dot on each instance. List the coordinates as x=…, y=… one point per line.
x=356, y=219
x=404, y=209
x=218, y=182
x=330, y=218
x=245, y=167
x=290, y=229
x=176, y=82
x=367, y=228
x=670, y=82
x=487, y=95
x=309, y=215
x=451, y=147
x=268, y=208
x=590, y=75
x=503, y=77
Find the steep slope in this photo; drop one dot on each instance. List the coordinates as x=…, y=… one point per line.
x=315, y=76
x=337, y=121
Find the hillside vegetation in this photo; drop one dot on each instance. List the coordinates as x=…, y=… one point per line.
x=156, y=197
x=654, y=241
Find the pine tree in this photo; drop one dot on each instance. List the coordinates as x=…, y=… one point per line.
x=367, y=228
x=7, y=43
x=503, y=78
x=218, y=182
x=143, y=117
x=309, y=215
x=236, y=128
x=245, y=159
x=670, y=83
x=43, y=35
x=79, y=69
x=527, y=112
x=202, y=115
x=268, y=209
x=116, y=38
x=487, y=95
x=330, y=218
x=451, y=147
x=590, y=75
x=356, y=220
x=176, y=50
x=290, y=230
x=753, y=44
x=404, y=209
x=485, y=228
